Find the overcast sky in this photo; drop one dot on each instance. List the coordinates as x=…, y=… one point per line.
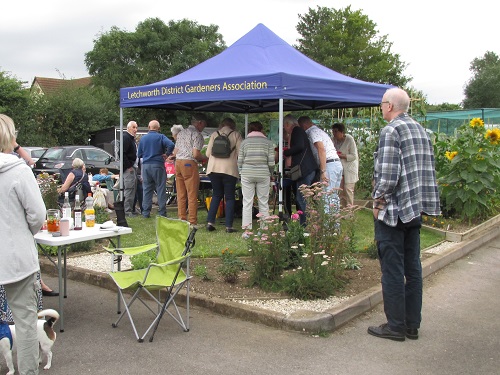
x=437, y=39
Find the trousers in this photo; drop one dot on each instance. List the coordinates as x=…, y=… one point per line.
x=22, y=300
x=399, y=253
x=187, y=183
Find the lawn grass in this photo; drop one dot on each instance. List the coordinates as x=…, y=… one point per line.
x=210, y=244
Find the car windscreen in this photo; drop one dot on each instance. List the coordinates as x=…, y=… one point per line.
x=53, y=154
x=37, y=153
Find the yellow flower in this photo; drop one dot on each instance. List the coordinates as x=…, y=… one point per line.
x=450, y=155
x=476, y=122
x=493, y=135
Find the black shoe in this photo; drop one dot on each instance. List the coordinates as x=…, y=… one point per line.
x=49, y=293
x=231, y=230
x=412, y=333
x=383, y=331
x=210, y=227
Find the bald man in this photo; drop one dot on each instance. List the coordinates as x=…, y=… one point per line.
x=154, y=148
x=405, y=187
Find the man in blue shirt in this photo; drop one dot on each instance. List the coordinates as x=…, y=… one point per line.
x=154, y=148
x=404, y=188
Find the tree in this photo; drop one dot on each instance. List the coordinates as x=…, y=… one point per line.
x=154, y=51
x=347, y=42
x=13, y=97
x=443, y=107
x=483, y=89
x=69, y=116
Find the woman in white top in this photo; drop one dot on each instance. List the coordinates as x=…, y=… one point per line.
x=23, y=214
x=348, y=154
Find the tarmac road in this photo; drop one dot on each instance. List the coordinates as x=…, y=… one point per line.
x=459, y=335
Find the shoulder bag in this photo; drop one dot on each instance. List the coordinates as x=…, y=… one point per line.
x=296, y=171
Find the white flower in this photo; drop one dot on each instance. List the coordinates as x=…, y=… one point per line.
x=306, y=234
x=324, y=263
x=305, y=255
x=294, y=247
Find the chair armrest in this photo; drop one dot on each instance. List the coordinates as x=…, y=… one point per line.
x=170, y=262
x=163, y=265
x=131, y=250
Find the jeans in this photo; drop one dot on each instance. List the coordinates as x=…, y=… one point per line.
x=223, y=185
x=22, y=301
x=249, y=187
x=301, y=202
x=154, y=177
x=399, y=253
x=334, y=173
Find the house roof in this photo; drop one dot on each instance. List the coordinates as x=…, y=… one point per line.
x=47, y=86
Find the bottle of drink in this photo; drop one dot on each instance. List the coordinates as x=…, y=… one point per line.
x=78, y=214
x=66, y=208
x=89, y=211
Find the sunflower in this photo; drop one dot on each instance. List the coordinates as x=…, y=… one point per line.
x=493, y=135
x=450, y=155
x=476, y=122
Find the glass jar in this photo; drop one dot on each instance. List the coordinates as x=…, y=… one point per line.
x=53, y=220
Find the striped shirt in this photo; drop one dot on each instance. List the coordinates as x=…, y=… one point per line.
x=256, y=157
x=404, y=173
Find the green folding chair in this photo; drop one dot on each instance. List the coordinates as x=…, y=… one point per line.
x=170, y=273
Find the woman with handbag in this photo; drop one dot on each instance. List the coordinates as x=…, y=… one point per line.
x=304, y=166
x=77, y=178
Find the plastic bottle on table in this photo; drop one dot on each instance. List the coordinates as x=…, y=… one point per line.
x=89, y=211
x=78, y=214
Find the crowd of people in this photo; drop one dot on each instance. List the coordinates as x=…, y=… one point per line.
x=400, y=194
x=149, y=160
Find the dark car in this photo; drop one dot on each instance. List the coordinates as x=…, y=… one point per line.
x=59, y=160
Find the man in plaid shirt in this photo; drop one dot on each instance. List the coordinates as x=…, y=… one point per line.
x=404, y=188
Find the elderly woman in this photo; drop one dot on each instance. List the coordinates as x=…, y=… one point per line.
x=75, y=176
x=348, y=154
x=176, y=129
x=223, y=174
x=23, y=214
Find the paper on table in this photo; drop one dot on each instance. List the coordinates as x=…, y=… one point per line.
x=107, y=225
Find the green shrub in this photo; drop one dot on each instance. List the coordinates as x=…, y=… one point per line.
x=269, y=255
x=231, y=266
x=143, y=260
x=101, y=216
x=201, y=271
x=48, y=187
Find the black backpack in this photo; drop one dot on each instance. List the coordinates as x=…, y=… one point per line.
x=221, y=147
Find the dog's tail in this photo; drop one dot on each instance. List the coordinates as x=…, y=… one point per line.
x=50, y=315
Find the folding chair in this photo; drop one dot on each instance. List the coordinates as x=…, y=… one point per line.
x=174, y=241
